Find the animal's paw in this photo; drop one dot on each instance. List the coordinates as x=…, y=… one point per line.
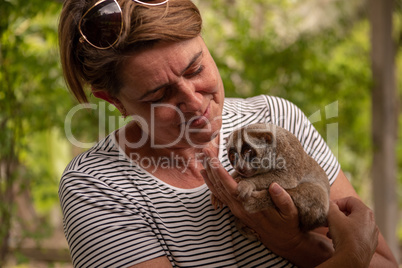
x=258, y=201
x=260, y=194
x=245, y=190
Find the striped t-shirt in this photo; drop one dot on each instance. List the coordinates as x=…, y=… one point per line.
x=116, y=214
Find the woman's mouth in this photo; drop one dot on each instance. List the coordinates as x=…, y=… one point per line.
x=199, y=121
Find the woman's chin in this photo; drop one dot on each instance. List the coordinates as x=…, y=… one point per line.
x=202, y=139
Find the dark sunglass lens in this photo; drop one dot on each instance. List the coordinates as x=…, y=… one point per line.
x=102, y=24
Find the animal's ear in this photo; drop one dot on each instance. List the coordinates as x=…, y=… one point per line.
x=269, y=137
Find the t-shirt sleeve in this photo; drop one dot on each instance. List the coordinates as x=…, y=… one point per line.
x=103, y=228
x=287, y=115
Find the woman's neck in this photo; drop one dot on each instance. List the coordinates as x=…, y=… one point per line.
x=178, y=166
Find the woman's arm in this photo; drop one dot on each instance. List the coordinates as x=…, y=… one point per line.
x=278, y=228
x=383, y=256
x=354, y=233
x=160, y=262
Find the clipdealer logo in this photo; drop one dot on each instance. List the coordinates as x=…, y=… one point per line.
x=107, y=124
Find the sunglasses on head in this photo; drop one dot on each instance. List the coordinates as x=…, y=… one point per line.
x=102, y=24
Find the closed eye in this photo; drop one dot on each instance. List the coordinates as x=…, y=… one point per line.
x=163, y=93
x=158, y=100
x=192, y=69
x=160, y=96
x=191, y=73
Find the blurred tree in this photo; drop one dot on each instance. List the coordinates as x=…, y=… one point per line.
x=33, y=99
x=29, y=74
x=385, y=119
x=314, y=53
x=35, y=106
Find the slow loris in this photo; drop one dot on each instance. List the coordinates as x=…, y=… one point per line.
x=265, y=153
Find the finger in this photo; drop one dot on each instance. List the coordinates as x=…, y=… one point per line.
x=213, y=176
x=215, y=201
x=350, y=204
x=376, y=235
x=213, y=182
x=219, y=173
x=334, y=213
x=209, y=178
x=204, y=174
x=282, y=200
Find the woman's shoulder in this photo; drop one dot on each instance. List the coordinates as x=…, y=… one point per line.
x=257, y=102
x=258, y=109
x=102, y=155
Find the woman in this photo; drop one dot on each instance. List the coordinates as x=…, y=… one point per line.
x=137, y=198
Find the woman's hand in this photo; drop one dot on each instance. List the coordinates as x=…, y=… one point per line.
x=354, y=233
x=224, y=188
x=278, y=227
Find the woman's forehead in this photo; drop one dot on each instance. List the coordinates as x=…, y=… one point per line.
x=161, y=53
x=151, y=67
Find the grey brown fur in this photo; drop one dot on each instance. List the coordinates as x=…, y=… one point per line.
x=264, y=153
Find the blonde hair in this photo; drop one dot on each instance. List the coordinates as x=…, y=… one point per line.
x=143, y=26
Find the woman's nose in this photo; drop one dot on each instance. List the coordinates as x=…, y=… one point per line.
x=189, y=99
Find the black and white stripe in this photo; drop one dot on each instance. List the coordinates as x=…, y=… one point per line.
x=116, y=214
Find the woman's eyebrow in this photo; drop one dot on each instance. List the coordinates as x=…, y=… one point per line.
x=193, y=60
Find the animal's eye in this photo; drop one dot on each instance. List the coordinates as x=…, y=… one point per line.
x=233, y=157
x=247, y=152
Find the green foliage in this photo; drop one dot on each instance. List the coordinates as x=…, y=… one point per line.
x=34, y=105
x=312, y=68
x=33, y=99
x=398, y=37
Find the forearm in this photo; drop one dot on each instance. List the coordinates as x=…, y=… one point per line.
x=349, y=258
x=382, y=261
x=340, y=259
x=383, y=256
x=311, y=249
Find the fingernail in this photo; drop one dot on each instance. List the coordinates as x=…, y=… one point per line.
x=276, y=189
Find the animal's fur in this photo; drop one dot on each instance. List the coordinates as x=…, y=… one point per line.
x=264, y=153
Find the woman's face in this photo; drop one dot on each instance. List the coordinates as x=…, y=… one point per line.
x=175, y=93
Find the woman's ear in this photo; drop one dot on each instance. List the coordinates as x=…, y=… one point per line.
x=101, y=94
